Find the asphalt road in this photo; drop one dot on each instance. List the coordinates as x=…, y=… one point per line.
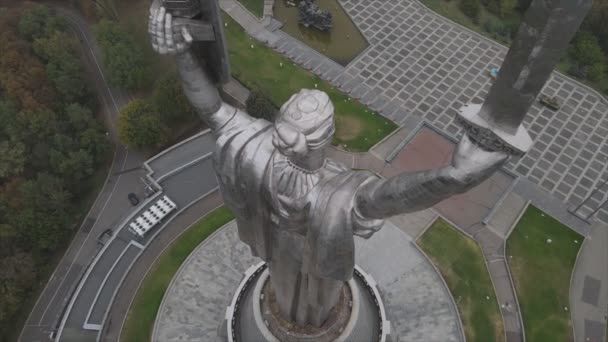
x=111, y=202
x=191, y=182
x=118, y=311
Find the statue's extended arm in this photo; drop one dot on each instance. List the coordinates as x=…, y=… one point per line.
x=414, y=191
x=169, y=39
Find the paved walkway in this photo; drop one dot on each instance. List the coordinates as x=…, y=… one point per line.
x=589, y=287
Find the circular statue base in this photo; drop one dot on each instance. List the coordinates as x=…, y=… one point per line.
x=202, y=295
x=254, y=314
x=287, y=331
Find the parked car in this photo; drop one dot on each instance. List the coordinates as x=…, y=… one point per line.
x=551, y=102
x=104, y=237
x=133, y=199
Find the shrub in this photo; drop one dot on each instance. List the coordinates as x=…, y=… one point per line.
x=586, y=49
x=470, y=8
x=596, y=72
x=497, y=28
x=259, y=106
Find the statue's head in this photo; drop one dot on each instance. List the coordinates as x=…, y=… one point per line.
x=308, y=116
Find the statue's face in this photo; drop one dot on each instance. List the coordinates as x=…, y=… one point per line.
x=311, y=113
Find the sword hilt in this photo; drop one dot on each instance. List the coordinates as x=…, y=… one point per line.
x=490, y=136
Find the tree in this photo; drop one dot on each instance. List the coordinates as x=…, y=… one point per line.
x=502, y=8
x=470, y=8
x=596, y=23
x=45, y=193
x=260, y=106
x=170, y=100
x=33, y=22
x=73, y=165
x=122, y=56
x=17, y=274
x=43, y=223
x=36, y=125
x=140, y=126
x=95, y=142
x=586, y=50
x=12, y=158
x=63, y=67
x=79, y=117
x=596, y=72
x=22, y=76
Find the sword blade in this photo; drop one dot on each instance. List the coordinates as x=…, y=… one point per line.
x=543, y=36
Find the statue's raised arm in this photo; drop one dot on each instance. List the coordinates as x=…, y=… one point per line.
x=168, y=38
x=412, y=191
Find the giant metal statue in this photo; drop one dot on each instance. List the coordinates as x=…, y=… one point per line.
x=299, y=211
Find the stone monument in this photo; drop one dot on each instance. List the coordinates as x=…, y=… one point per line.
x=299, y=211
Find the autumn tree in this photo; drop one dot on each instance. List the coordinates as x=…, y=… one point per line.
x=170, y=101
x=140, y=126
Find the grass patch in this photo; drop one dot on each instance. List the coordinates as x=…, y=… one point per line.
x=461, y=263
x=142, y=313
x=541, y=272
x=357, y=127
x=261, y=69
x=254, y=6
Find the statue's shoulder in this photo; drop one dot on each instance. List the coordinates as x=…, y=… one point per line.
x=241, y=129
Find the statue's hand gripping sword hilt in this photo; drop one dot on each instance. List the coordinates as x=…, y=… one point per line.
x=202, y=19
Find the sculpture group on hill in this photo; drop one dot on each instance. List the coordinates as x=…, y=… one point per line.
x=309, y=14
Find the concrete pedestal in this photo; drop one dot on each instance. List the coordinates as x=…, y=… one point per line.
x=414, y=298
x=360, y=315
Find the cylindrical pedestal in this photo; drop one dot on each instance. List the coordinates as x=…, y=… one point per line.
x=252, y=315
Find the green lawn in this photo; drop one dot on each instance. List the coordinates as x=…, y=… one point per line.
x=142, y=313
x=254, y=6
x=259, y=68
x=541, y=272
x=461, y=263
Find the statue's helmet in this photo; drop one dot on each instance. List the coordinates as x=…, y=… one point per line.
x=311, y=113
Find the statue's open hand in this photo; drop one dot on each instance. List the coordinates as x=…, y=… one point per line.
x=472, y=163
x=167, y=38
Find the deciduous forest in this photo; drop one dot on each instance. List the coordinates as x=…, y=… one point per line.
x=51, y=146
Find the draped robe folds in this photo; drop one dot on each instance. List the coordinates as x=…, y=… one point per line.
x=307, y=238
